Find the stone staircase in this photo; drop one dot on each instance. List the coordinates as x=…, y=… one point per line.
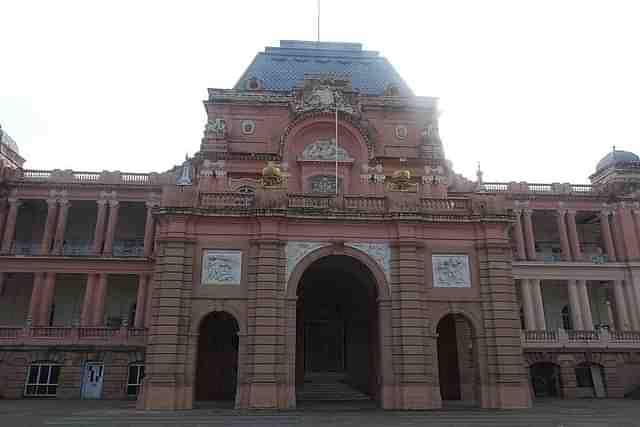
x=328, y=387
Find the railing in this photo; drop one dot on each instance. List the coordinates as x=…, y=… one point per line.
x=77, y=248
x=310, y=201
x=25, y=248
x=226, y=200
x=105, y=177
x=128, y=248
x=69, y=335
x=366, y=203
x=525, y=187
x=601, y=338
x=495, y=187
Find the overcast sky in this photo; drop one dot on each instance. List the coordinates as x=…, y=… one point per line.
x=535, y=90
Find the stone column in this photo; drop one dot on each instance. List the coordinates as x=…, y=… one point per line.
x=58, y=246
x=47, y=298
x=99, y=300
x=632, y=306
x=635, y=283
x=86, y=316
x=2, y=279
x=111, y=227
x=622, y=317
x=564, y=236
x=10, y=227
x=36, y=295
x=148, y=230
x=530, y=236
x=627, y=224
x=518, y=234
x=148, y=305
x=141, y=301
x=3, y=217
x=49, y=227
x=606, y=235
x=527, y=305
x=538, y=304
x=585, y=304
x=98, y=235
x=574, y=303
x=574, y=239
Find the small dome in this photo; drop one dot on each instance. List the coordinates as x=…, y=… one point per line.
x=615, y=157
x=271, y=171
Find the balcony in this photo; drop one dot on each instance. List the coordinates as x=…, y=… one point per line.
x=69, y=335
x=598, y=339
x=132, y=248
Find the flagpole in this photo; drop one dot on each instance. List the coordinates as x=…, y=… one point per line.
x=337, y=149
x=318, y=21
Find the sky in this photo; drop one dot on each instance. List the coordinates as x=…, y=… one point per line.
x=535, y=91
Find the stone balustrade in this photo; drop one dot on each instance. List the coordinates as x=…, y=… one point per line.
x=598, y=339
x=104, y=177
x=70, y=335
x=525, y=187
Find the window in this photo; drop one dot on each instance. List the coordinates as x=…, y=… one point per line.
x=583, y=376
x=136, y=374
x=42, y=379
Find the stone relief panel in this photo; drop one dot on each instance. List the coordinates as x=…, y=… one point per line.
x=379, y=252
x=451, y=271
x=221, y=267
x=324, y=184
x=325, y=149
x=295, y=251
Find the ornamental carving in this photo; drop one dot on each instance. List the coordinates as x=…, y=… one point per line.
x=379, y=252
x=451, y=271
x=248, y=127
x=401, y=132
x=186, y=173
x=325, y=149
x=324, y=184
x=324, y=95
x=216, y=128
x=295, y=251
x=221, y=267
x=435, y=175
x=209, y=168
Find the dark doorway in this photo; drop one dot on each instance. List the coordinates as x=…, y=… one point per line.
x=337, y=331
x=457, y=369
x=217, y=364
x=545, y=379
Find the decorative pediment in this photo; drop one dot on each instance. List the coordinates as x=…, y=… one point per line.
x=325, y=149
x=325, y=95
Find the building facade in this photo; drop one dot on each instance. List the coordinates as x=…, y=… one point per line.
x=319, y=245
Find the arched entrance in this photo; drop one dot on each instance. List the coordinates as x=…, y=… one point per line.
x=217, y=360
x=457, y=367
x=545, y=379
x=337, y=335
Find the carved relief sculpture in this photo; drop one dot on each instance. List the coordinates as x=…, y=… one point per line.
x=379, y=252
x=325, y=149
x=324, y=184
x=451, y=271
x=216, y=128
x=221, y=267
x=295, y=251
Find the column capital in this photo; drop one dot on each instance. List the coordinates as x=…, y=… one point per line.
x=605, y=212
x=52, y=202
x=560, y=211
x=527, y=211
x=14, y=201
x=571, y=211
x=102, y=202
x=113, y=203
x=152, y=204
x=64, y=203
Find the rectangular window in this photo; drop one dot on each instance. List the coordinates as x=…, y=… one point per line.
x=42, y=380
x=136, y=374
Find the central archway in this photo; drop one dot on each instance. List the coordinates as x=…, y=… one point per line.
x=337, y=331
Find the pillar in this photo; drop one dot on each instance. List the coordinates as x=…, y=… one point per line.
x=585, y=304
x=148, y=230
x=148, y=308
x=2, y=279
x=631, y=240
x=606, y=235
x=574, y=239
x=538, y=304
x=34, y=303
x=3, y=217
x=574, y=303
x=632, y=306
x=519, y=235
x=10, y=226
x=635, y=283
x=61, y=227
x=111, y=227
x=529, y=235
x=527, y=305
x=86, y=315
x=99, y=300
x=47, y=298
x=622, y=317
x=49, y=226
x=564, y=236
x=98, y=234
x=141, y=301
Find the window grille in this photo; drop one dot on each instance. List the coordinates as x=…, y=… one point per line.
x=42, y=380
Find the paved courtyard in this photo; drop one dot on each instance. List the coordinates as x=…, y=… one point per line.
x=583, y=413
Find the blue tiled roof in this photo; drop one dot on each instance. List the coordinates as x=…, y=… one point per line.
x=283, y=68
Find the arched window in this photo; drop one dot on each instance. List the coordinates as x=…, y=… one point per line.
x=567, y=324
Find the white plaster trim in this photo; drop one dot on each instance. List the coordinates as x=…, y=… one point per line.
x=450, y=271
x=295, y=251
x=379, y=252
x=221, y=267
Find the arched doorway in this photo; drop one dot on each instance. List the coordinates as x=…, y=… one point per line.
x=457, y=368
x=545, y=379
x=590, y=380
x=337, y=335
x=217, y=360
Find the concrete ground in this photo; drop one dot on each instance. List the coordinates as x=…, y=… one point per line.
x=565, y=413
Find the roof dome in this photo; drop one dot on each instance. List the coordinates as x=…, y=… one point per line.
x=6, y=139
x=615, y=157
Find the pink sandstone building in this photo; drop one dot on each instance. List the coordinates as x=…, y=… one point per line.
x=318, y=246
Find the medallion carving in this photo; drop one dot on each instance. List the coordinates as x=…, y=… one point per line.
x=451, y=271
x=295, y=251
x=325, y=149
x=379, y=252
x=401, y=132
x=221, y=267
